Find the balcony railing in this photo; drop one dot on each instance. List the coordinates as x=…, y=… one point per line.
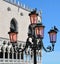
x=15, y=61
x=27, y=59
x=12, y=61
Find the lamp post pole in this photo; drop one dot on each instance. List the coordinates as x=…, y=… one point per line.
x=35, y=62
x=34, y=51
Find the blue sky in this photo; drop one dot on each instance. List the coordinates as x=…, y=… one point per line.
x=50, y=17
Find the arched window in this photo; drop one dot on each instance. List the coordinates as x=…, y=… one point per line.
x=13, y=25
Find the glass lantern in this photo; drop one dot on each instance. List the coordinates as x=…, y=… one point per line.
x=33, y=17
x=52, y=34
x=39, y=30
x=13, y=37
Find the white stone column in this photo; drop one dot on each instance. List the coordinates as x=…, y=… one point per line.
x=23, y=56
x=4, y=53
x=13, y=57
x=8, y=54
x=16, y=57
x=20, y=56
x=4, y=56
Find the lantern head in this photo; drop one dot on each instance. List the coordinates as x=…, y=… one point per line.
x=39, y=30
x=33, y=17
x=13, y=37
x=52, y=34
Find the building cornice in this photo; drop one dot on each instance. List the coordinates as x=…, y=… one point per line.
x=19, y=5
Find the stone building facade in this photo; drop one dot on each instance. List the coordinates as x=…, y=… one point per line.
x=10, y=11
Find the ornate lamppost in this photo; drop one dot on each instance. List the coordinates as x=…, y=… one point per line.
x=36, y=33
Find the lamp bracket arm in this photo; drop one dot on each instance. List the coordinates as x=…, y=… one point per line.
x=48, y=49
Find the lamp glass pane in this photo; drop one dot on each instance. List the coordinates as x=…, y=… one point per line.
x=36, y=31
x=13, y=37
x=33, y=19
x=41, y=30
x=53, y=37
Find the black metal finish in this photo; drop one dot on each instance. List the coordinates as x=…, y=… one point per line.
x=33, y=12
x=35, y=62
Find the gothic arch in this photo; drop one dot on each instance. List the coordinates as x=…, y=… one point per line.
x=13, y=25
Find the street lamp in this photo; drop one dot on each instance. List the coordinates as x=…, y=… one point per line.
x=33, y=17
x=36, y=33
x=52, y=34
x=39, y=30
x=13, y=37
